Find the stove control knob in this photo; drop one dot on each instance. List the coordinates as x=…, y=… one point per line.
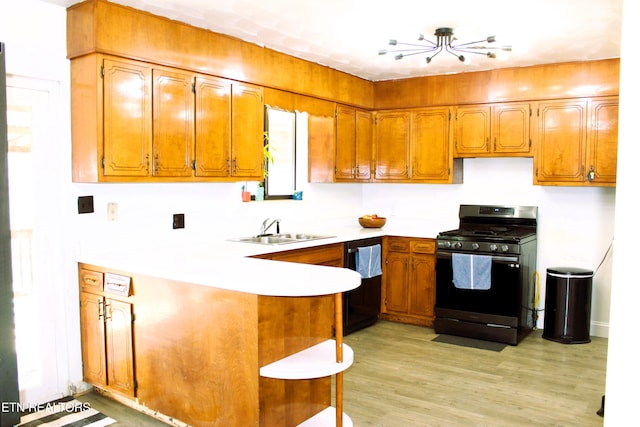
x=504, y=248
x=447, y=244
x=457, y=245
x=493, y=247
x=475, y=246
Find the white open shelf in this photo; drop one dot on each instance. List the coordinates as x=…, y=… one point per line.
x=314, y=362
x=327, y=418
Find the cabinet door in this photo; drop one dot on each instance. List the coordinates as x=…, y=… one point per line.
x=247, y=131
x=392, y=145
x=423, y=279
x=364, y=145
x=354, y=144
x=173, y=129
x=472, y=127
x=119, y=346
x=396, y=282
x=603, y=141
x=127, y=118
x=562, y=141
x=345, y=143
x=322, y=143
x=94, y=364
x=430, y=157
x=510, y=129
x=213, y=127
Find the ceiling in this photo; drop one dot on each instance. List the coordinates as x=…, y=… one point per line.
x=347, y=34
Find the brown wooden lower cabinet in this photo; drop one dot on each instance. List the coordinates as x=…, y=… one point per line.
x=408, y=288
x=107, y=337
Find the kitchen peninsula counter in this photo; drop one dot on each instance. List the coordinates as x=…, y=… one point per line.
x=207, y=324
x=228, y=265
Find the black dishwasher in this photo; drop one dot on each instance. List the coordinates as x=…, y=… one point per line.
x=361, y=306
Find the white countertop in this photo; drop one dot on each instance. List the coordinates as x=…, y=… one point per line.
x=224, y=264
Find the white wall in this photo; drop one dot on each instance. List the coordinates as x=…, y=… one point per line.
x=623, y=370
x=575, y=226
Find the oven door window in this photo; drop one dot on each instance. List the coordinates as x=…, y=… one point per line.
x=502, y=298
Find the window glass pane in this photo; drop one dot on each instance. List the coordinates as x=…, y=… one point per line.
x=281, y=128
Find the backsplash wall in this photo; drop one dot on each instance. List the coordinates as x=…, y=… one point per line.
x=575, y=225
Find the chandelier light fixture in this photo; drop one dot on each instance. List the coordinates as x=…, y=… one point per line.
x=444, y=41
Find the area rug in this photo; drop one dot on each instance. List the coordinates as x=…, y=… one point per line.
x=469, y=342
x=65, y=412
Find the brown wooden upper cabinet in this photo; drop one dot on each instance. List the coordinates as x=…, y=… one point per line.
x=354, y=144
x=392, y=141
x=577, y=142
x=133, y=121
x=431, y=159
x=415, y=146
x=173, y=129
x=229, y=129
x=496, y=130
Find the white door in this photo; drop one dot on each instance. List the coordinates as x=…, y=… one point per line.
x=35, y=219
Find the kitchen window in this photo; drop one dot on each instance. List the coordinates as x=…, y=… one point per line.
x=280, y=162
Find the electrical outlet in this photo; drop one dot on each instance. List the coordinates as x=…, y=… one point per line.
x=112, y=211
x=178, y=221
x=85, y=204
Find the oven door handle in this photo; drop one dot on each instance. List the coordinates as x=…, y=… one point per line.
x=494, y=258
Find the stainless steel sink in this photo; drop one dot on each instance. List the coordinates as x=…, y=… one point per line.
x=265, y=240
x=301, y=236
x=280, y=239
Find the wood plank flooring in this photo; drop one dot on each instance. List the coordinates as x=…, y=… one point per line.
x=401, y=378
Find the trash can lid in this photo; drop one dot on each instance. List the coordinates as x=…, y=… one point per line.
x=570, y=271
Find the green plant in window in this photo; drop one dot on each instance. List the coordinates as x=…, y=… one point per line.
x=266, y=153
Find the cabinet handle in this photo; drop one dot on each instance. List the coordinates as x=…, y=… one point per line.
x=89, y=280
x=146, y=161
x=100, y=309
x=235, y=165
x=591, y=175
x=107, y=311
x=487, y=143
x=156, y=163
x=495, y=143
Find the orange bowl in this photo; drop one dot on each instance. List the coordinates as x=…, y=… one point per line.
x=372, y=222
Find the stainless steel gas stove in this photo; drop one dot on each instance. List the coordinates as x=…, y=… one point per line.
x=484, y=273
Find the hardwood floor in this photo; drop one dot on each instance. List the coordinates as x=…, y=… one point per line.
x=401, y=378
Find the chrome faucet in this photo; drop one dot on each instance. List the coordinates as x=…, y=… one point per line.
x=265, y=227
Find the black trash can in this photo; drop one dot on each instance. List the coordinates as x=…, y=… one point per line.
x=567, y=306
